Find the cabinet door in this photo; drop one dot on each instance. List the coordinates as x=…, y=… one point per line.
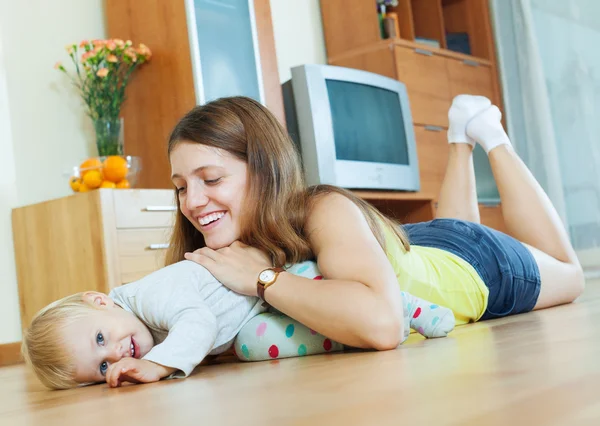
x=426, y=80
x=432, y=150
x=223, y=41
x=471, y=78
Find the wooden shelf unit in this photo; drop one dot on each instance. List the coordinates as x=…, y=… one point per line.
x=432, y=19
x=432, y=75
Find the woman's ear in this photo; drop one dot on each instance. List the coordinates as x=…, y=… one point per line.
x=99, y=300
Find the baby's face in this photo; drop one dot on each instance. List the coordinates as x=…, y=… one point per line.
x=108, y=334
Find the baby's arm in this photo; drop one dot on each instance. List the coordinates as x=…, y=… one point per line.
x=192, y=330
x=169, y=302
x=192, y=334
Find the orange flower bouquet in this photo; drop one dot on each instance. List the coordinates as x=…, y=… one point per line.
x=102, y=70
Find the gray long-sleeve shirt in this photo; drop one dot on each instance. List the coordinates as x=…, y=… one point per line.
x=188, y=312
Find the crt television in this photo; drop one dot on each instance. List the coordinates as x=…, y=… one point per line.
x=353, y=128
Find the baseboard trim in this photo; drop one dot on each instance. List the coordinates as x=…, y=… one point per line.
x=10, y=354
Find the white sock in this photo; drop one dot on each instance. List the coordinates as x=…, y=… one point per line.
x=486, y=128
x=429, y=319
x=463, y=109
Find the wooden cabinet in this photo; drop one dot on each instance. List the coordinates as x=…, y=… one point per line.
x=433, y=75
x=472, y=77
x=432, y=149
x=164, y=90
x=426, y=79
x=90, y=241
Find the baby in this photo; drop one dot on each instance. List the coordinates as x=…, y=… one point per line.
x=163, y=325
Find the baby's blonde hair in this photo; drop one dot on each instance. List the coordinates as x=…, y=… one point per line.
x=42, y=348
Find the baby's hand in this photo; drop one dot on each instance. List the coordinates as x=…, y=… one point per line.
x=135, y=371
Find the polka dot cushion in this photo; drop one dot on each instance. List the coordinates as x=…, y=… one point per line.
x=272, y=335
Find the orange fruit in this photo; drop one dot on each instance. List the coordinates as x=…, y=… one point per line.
x=108, y=184
x=83, y=187
x=75, y=183
x=124, y=184
x=92, y=163
x=93, y=179
x=115, y=168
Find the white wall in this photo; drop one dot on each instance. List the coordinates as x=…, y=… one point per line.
x=45, y=131
x=46, y=116
x=9, y=304
x=298, y=34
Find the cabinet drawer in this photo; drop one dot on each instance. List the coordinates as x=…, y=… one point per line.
x=432, y=149
x=141, y=251
x=470, y=78
x=141, y=208
x=426, y=78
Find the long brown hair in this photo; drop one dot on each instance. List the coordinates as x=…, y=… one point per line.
x=277, y=202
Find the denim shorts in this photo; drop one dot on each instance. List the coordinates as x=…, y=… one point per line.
x=505, y=265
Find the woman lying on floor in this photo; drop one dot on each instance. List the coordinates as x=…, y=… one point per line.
x=244, y=213
x=231, y=160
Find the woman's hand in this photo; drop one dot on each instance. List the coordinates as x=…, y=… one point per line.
x=237, y=266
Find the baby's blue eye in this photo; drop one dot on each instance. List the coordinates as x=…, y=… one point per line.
x=100, y=339
x=103, y=368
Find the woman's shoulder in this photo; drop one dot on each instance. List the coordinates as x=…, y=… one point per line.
x=331, y=213
x=325, y=196
x=326, y=199
x=328, y=202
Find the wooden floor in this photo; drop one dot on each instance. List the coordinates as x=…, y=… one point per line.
x=538, y=368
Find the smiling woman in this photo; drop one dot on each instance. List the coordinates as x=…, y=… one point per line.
x=223, y=161
x=208, y=183
x=244, y=209
x=265, y=219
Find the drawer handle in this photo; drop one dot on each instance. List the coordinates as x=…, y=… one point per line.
x=470, y=63
x=158, y=246
x=160, y=208
x=423, y=52
x=434, y=128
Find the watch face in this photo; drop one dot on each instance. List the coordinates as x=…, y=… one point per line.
x=266, y=276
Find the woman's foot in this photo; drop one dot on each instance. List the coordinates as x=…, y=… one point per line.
x=486, y=128
x=463, y=109
x=429, y=319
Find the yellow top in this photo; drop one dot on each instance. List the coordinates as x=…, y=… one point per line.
x=438, y=276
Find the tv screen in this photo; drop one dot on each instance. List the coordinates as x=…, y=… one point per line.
x=367, y=123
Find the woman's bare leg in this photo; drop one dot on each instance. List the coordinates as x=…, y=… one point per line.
x=529, y=214
x=458, y=194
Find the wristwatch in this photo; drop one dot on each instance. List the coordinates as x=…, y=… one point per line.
x=265, y=279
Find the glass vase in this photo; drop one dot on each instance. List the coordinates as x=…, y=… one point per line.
x=109, y=136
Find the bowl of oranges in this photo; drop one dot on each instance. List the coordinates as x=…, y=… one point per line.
x=114, y=172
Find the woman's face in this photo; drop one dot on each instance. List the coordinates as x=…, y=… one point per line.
x=211, y=185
